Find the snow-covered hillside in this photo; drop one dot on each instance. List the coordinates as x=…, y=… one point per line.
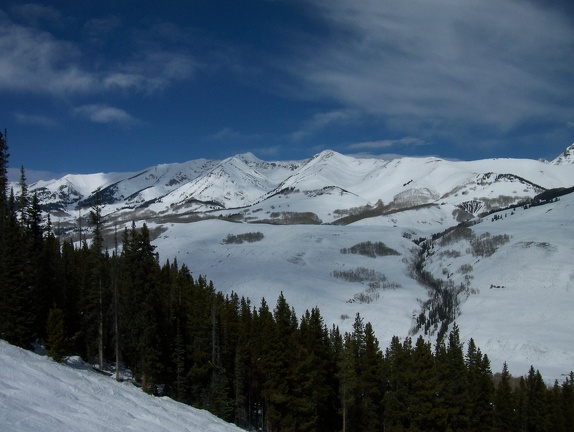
x=520, y=264
x=519, y=308
x=308, y=214
x=37, y=394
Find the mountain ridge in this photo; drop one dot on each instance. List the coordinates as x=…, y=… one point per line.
x=243, y=180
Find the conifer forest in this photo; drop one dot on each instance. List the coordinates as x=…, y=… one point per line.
x=256, y=365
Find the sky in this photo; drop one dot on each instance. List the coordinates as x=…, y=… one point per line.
x=122, y=85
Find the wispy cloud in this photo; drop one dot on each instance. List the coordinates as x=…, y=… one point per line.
x=321, y=120
x=433, y=66
x=37, y=120
x=104, y=114
x=32, y=176
x=385, y=144
x=35, y=61
x=34, y=13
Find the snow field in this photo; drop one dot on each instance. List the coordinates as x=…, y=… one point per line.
x=37, y=394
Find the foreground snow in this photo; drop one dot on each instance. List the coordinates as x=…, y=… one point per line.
x=37, y=394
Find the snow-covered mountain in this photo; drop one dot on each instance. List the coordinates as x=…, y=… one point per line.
x=566, y=158
x=314, y=219
x=39, y=394
x=244, y=181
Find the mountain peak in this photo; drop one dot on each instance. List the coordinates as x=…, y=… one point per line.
x=566, y=158
x=247, y=157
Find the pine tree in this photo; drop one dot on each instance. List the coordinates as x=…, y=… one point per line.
x=504, y=404
x=536, y=402
x=370, y=368
x=18, y=318
x=453, y=374
x=481, y=389
x=4, y=156
x=140, y=292
x=425, y=408
x=315, y=390
x=97, y=286
x=398, y=359
x=199, y=331
x=279, y=362
x=568, y=402
x=56, y=335
x=555, y=411
x=23, y=200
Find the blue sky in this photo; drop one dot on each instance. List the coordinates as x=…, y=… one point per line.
x=126, y=84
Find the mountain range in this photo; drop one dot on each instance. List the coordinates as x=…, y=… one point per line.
x=394, y=240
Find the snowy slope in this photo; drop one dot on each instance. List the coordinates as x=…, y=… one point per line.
x=299, y=260
x=37, y=394
x=522, y=311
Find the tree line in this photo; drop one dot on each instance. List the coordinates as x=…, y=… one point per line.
x=260, y=367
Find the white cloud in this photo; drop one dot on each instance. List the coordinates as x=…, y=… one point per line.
x=105, y=115
x=443, y=64
x=384, y=144
x=153, y=72
x=35, y=62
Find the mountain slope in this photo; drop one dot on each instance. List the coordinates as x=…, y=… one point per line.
x=308, y=213
x=519, y=263
x=38, y=394
x=517, y=305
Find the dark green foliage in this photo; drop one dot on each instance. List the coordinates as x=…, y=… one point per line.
x=504, y=404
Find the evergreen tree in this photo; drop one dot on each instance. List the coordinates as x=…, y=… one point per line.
x=555, y=411
x=315, y=390
x=453, y=374
x=242, y=371
x=4, y=156
x=425, y=408
x=504, y=404
x=200, y=347
x=96, y=299
x=56, y=336
x=397, y=397
x=141, y=299
x=23, y=200
x=481, y=388
x=279, y=362
x=536, y=402
x=371, y=383
x=568, y=402
x=18, y=319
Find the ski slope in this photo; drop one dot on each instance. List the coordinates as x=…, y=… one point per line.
x=37, y=394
